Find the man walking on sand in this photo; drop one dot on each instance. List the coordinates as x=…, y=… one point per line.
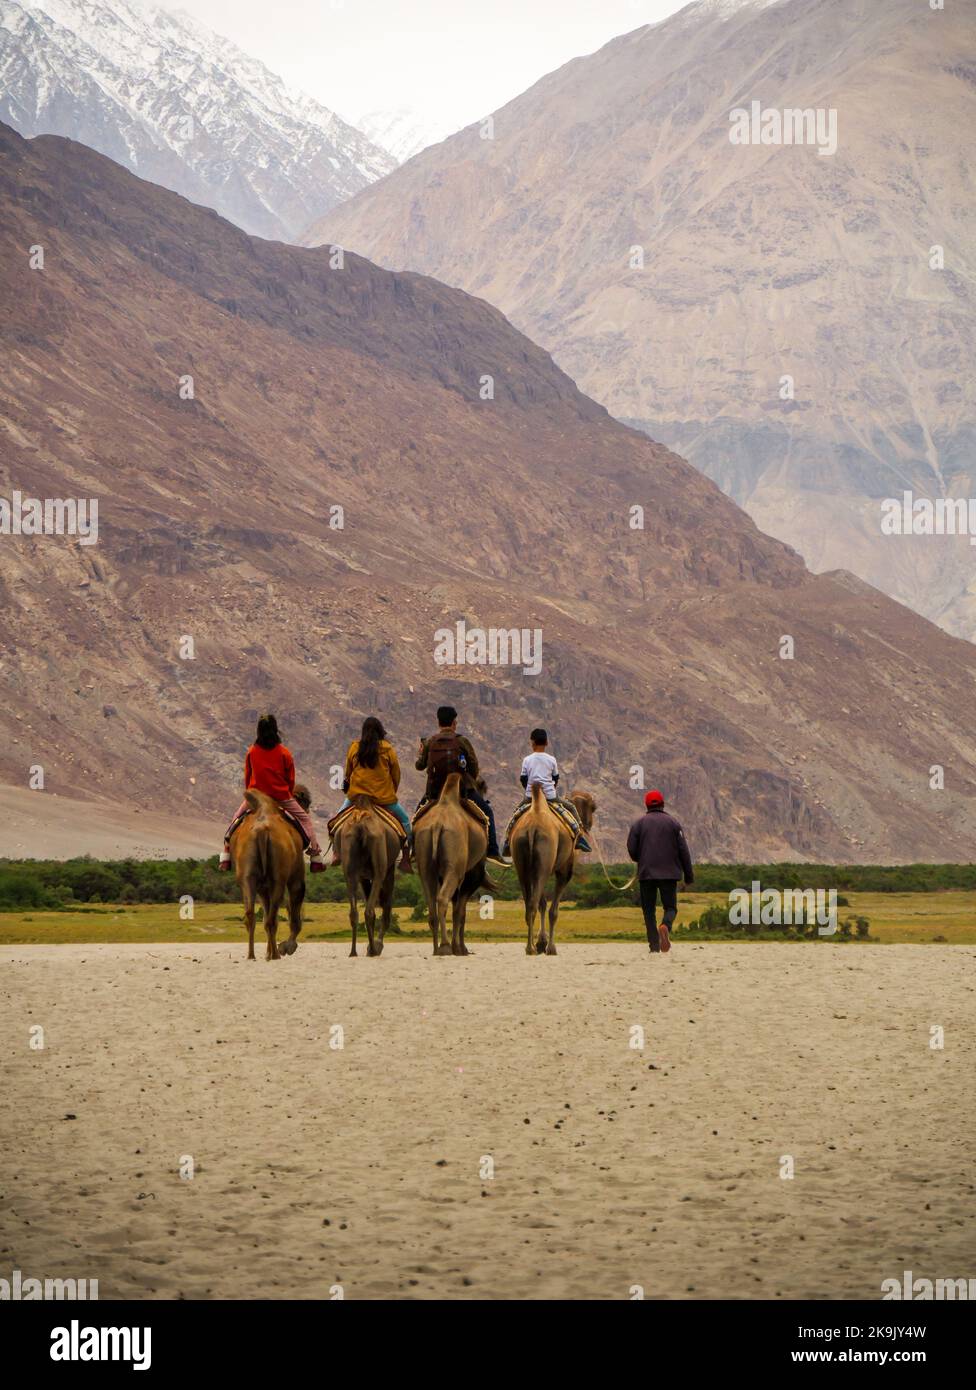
x=657, y=845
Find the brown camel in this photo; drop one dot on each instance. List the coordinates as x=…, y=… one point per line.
x=450, y=848
x=269, y=862
x=541, y=845
x=368, y=849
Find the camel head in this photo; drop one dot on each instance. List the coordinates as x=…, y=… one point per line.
x=586, y=807
x=303, y=796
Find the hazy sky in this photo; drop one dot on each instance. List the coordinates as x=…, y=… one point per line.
x=450, y=60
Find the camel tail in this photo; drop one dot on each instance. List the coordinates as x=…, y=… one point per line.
x=262, y=840
x=262, y=843
x=435, y=847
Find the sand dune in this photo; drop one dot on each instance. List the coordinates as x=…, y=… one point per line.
x=359, y=1167
x=34, y=825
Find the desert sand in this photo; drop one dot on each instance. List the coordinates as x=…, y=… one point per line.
x=364, y=1167
x=38, y=825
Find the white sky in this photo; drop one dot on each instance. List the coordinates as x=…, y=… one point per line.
x=452, y=61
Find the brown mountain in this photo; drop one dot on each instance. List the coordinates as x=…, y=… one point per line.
x=316, y=387
x=759, y=261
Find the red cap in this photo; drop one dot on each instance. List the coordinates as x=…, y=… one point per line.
x=653, y=799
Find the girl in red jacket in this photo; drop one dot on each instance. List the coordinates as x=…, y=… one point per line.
x=270, y=768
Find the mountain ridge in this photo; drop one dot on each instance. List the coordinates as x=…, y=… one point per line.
x=317, y=388
x=159, y=92
x=686, y=282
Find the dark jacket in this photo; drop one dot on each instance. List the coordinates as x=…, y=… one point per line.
x=469, y=775
x=658, y=847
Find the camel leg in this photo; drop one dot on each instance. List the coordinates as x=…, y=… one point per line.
x=247, y=892
x=369, y=912
x=561, y=881
x=458, y=947
x=442, y=947
x=271, y=904
x=541, y=940
x=443, y=903
x=428, y=883
x=380, y=872
x=445, y=895
x=532, y=881
x=386, y=905
x=296, y=896
x=535, y=902
x=353, y=912
x=529, y=900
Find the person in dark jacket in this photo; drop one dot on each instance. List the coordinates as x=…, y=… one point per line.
x=447, y=718
x=657, y=845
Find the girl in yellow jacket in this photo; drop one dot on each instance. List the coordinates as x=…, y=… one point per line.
x=373, y=770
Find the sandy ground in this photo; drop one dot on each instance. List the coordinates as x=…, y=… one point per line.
x=43, y=825
x=366, y=1166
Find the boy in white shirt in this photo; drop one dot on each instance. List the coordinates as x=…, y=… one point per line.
x=540, y=766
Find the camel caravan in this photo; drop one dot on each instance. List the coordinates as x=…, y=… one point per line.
x=451, y=838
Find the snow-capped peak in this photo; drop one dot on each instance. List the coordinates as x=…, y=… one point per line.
x=161, y=93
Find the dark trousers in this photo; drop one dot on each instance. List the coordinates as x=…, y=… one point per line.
x=485, y=805
x=649, y=889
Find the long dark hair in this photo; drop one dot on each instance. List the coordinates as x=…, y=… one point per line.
x=267, y=735
x=368, y=754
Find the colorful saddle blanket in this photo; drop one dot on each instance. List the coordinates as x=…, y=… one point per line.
x=566, y=812
x=474, y=811
x=287, y=816
x=339, y=820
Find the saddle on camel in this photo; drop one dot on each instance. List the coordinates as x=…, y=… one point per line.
x=304, y=798
x=451, y=848
x=386, y=816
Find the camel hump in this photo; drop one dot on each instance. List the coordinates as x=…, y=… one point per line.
x=260, y=804
x=538, y=797
x=360, y=808
x=451, y=790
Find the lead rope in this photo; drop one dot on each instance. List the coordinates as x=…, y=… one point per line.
x=617, y=887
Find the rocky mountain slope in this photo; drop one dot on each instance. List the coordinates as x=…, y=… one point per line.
x=681, y=279
x=221, y=396
x=182, y=107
